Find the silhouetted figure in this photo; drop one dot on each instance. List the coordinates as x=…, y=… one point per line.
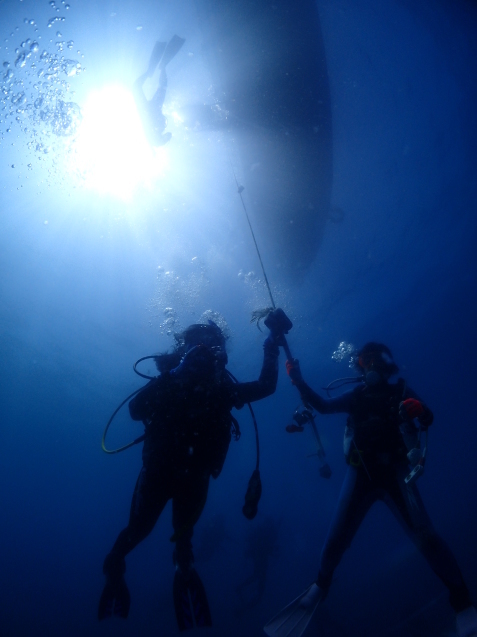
x=384, y=455
x=211, y=538
x=261, y=545
x=186, y=411
x=150, y=111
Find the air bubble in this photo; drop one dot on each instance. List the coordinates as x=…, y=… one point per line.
x=344, y=349
x=20, y=61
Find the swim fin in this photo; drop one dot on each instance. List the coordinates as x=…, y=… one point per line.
x=292, y=620
x=466, y=622
x=115, y=599
x=190, y=601
x=172, y=48
x=156, y=55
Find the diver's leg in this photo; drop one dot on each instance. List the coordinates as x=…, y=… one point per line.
x=160, y=95
x=406, y=504
x=190, y=599
x=172, y=48
x=187, y=505
x=356, y=497
x=156, y=55
x=149, y=499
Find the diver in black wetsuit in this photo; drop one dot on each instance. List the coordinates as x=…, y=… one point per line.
x=188, y=425
x=150, y=111
x=380, y=432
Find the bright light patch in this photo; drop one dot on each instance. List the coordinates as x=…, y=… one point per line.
x=112, y=153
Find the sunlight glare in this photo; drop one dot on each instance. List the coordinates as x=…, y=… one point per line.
x=113, y=155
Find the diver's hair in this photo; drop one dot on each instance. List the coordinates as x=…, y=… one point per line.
x=169, y=360
x=379, y=348
x=210, y=328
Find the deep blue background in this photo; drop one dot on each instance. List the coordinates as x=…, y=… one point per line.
x=82, y=298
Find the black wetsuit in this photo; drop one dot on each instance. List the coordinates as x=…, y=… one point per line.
x=376, y=444
x=188, y=431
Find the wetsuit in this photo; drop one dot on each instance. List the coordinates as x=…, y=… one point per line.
x=188, y=431
x=376, y=443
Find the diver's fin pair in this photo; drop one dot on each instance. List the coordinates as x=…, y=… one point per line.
x=163, y=53
x=172, y=49
x=292, y=620
x=190, y=601
x=115, y=599
x=156, y=55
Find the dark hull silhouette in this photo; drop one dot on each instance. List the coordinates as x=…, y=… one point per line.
x=268, y=65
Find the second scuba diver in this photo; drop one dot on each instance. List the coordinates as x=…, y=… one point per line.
x=188, y=425
x=383, y=455
x=150, y=111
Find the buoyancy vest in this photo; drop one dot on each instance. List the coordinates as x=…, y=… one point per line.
x=189, y=425
x=373, y=429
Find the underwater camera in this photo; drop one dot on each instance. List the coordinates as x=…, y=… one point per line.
x=300, y=418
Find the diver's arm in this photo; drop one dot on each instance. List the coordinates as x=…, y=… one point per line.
x=267, y=381
x=340, y=404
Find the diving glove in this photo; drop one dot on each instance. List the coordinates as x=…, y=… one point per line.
x=294, y=371
x=279, y=324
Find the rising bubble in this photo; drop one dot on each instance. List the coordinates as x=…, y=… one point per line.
x=20, y=61
x=344, y=349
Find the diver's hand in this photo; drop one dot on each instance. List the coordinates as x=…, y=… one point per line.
x=410, y=409
x=294, y=371
x=279, y=324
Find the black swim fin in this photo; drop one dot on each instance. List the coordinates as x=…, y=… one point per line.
x=115, y=599
x=156, y=55
x=172, y=48
x=190, y=601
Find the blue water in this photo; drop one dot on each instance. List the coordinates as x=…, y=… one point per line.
x=87, y=276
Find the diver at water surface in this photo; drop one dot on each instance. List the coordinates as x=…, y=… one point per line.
x=152, y=117
x=188, y=426
x=384, y=456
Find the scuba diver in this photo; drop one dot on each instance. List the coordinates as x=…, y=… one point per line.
x=186, y=411
x=150, y=111
x=382, y=450
x=261, y=544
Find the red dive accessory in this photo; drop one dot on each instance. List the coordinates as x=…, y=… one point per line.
x=293, y=370
x=410, y=409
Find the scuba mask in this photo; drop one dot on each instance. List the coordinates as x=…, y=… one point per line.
x=204, y=349
x=376, y=367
